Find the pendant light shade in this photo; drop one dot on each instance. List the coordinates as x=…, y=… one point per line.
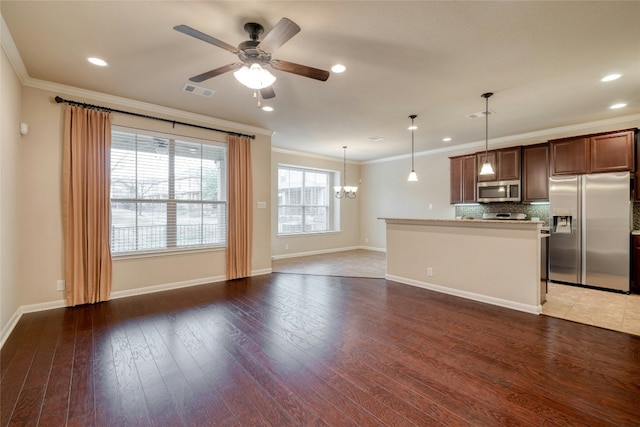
x=486, y=169
x=413, y=177
x=345, y=191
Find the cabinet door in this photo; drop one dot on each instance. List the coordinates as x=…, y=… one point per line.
x=612, y=152
x=509, y=164
x=491, y=156
x=635, y=268
x=469, y=173
x=569, y=156
x=535, y=173
x=455, y=180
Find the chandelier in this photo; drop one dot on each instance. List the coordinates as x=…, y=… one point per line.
x=345, y=191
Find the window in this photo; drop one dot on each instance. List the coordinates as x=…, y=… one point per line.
x=166, y=193
x=304, y=200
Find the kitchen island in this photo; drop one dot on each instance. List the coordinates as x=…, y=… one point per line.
x=493, y=261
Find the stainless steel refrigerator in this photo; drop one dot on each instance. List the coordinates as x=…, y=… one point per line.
x=590, y=220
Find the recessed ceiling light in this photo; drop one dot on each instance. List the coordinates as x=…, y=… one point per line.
x=97, y=61
x=616, y=106
x=338, y=68
x=267, y=108
x=447, y=139
x=611, y=77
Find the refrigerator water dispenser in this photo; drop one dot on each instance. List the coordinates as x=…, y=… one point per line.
x=562, y=224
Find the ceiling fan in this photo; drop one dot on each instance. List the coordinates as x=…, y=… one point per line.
x=255, y=54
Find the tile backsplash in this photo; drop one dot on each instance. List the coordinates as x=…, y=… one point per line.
x=532, y=211
x=539, y=211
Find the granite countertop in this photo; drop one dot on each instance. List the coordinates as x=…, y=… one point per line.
x=465, y=220
x=636, y=232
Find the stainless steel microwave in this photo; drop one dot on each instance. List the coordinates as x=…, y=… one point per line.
x=499, y=191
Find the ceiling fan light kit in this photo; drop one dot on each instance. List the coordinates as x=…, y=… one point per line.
x=486, y=169
x=254, y=77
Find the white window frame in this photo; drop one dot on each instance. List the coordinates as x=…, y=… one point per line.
x=332, y=206
x=171, y=202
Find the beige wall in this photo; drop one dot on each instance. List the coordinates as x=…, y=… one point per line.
x=41, y=254
x=349, y=234
x=10, y=141
x=388, y=194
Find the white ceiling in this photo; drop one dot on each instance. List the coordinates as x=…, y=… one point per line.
x=543, y=61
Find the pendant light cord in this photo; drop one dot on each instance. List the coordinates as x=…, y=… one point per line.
x=413, y=128
x=344, y=175
x=486, y=125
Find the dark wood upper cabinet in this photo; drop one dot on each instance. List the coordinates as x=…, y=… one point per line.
x=509, y=163
x=569, y=156
x=505, y=162
x=606, y=152
x=612, y=152
x=463, y=179
x=535, y=173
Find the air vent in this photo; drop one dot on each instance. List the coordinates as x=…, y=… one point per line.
x=480, y=114
x=376, y=138
x=198, y=90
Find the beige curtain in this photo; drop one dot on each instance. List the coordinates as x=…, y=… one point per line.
x=86, y=179
x=239, y=236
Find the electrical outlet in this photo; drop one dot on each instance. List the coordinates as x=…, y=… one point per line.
x=366, y=240
x=60, y=285
x=429, y=271
x=286, y=247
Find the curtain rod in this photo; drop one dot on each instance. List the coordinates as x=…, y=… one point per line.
x=174, y=122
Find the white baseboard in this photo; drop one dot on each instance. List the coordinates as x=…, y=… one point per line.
x=325, y=251
x=31, y=308
x=532, y=309
x=13, y=321
x=166, y=287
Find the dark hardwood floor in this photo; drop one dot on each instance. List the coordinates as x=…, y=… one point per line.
x=295, y=350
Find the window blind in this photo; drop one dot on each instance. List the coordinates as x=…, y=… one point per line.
x=167, y=193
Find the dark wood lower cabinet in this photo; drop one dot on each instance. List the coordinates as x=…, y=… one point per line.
x=635, y=264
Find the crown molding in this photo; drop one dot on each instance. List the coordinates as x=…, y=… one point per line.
x=10, y=48
x=504, y=141
x=313, y=156
x=144, y=106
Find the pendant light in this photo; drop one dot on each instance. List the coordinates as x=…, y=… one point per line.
x=412, y=175
x=345, y=191
x=486, y=169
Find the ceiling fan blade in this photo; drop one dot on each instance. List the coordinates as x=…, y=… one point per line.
x=212, y=73
x=301, y=70
x=205, y=38
x=267, y=93
x=279, y=35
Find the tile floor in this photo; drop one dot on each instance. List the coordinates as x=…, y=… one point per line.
x=599, y=308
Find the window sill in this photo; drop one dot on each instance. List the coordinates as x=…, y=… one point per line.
x=161, y=253
x=310, y=233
